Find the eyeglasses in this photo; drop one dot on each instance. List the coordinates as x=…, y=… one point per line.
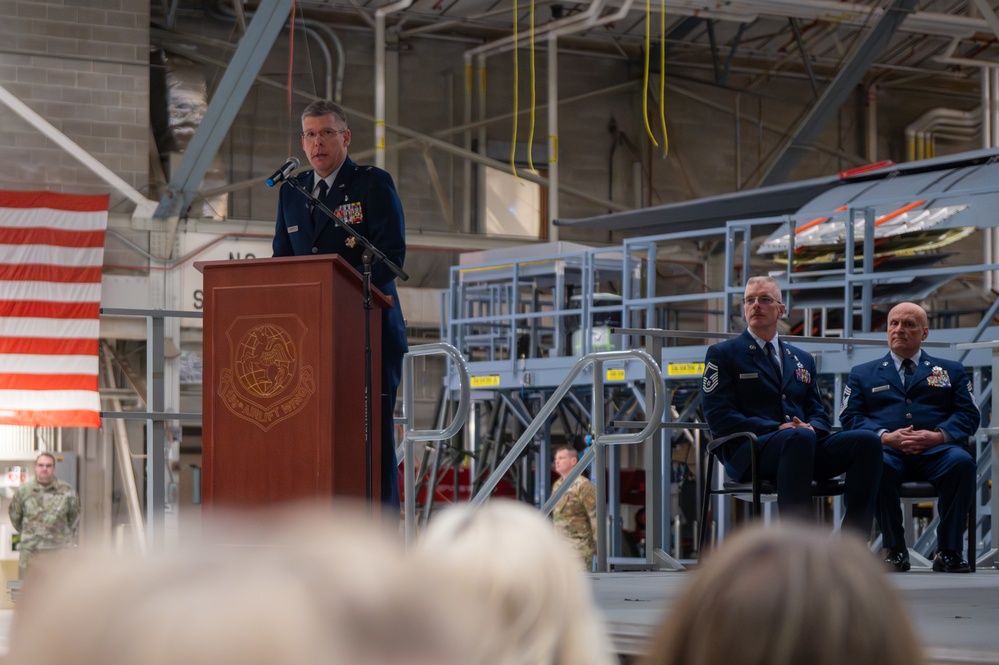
x=763, y=300
x=322, y=133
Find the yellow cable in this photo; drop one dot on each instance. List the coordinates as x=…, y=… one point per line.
x=662, y=73
x=534, y=99
x=516, y=102
x=645, y=79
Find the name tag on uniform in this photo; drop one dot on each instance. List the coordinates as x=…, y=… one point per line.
x=880, y=389
x=293, y=229
x=754, y=375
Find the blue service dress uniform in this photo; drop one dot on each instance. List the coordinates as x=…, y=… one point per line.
x=742, y=392
x=365, y=198
x=939, y=396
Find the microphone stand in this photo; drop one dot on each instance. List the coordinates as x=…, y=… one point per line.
x=370, y=256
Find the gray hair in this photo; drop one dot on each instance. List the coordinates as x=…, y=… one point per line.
x=766, y=279
x=322, y=107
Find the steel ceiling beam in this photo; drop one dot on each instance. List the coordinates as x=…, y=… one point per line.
x=802, y=139
x=805, y=59
x=268, y=21
x=733, y=49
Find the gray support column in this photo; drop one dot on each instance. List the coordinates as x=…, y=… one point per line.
x=155, y=452
x=552, y=136
x=465, y=223
x=391, y=94
x=482, y=115
x=849, y=250
x=867, y=288
x=600, y=464
x=657, y=493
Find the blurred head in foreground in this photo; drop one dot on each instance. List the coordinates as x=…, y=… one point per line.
x=303, y=586
x=517, y=585
x=787, y=595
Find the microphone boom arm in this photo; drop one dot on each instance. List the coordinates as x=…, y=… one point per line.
x=376, y=253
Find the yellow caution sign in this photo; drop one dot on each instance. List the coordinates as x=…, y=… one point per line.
x=684, y=369
x=488, y=381
x=615, y=375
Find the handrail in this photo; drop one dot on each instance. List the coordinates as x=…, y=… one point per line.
x=156, y=462
x=584, y=461
x=412, y=435
x=600, y=437
x=597, y=360
x=124, y=453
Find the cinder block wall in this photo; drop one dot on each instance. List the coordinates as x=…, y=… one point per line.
x=83, y=65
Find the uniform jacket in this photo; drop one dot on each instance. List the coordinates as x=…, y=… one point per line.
x=365, y=198
x=939, y=396
x=741, y=392
x=575, y=517
x=45, y=515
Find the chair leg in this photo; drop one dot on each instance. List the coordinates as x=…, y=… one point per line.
x=705, y=505
x=972, y=524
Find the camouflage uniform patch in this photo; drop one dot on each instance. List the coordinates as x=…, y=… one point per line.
x=575, y=518
x=46, y=517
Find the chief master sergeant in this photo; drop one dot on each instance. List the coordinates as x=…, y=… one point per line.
x=45, y=511
x=759, y=383
x=924, y=412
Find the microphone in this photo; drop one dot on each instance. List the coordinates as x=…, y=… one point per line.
x=282, y=173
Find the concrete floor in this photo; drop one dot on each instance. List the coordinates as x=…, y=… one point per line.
x=957, y=616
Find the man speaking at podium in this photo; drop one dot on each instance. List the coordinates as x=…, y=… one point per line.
x=365, y=198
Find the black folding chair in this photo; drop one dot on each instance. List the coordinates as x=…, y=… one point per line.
x=755, y=489
x=913, y=491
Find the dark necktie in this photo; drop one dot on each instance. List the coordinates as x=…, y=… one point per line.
x=908, y=368
x=321, y=197
x=772, y=356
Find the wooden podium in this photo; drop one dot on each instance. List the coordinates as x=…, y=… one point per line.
x=283, y=383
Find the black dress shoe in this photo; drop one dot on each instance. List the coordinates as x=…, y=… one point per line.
x=950, y=561
x=897, y=560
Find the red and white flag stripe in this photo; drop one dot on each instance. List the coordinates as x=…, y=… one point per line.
x=51, y=255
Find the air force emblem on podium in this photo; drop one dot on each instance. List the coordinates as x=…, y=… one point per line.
x=265, y=381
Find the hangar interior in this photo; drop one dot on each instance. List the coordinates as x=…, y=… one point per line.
x=566, y=169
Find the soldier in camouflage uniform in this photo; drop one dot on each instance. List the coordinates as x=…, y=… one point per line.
x=45, y=511
x=575, y=515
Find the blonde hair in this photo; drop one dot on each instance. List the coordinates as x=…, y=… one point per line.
x=787, y=595
x=522, y=598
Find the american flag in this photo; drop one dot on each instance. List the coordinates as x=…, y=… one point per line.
x=51, y=255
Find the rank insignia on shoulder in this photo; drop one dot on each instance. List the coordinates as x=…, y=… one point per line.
x=846, y=398
x=710, y=381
